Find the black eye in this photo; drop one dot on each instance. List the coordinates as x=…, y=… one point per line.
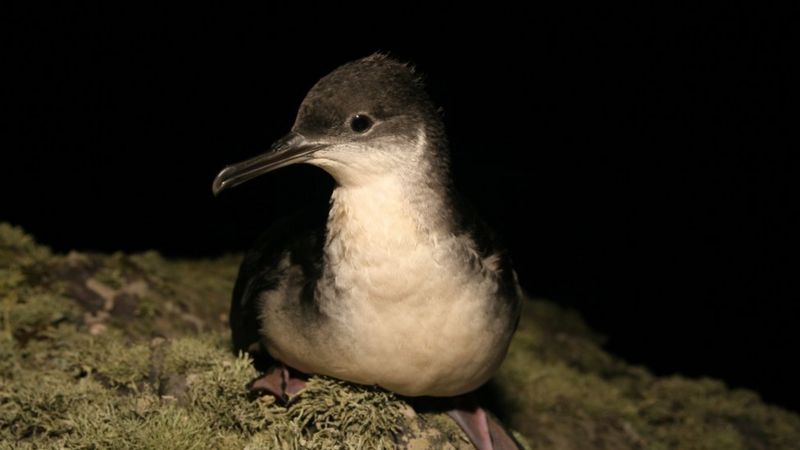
x=360, y=123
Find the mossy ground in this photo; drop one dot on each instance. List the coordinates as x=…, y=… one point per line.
x=132, y=351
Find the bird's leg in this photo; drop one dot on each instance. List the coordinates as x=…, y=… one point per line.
x=280, y=383
x=485, y=432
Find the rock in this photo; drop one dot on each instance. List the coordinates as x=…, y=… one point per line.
x=132, y=351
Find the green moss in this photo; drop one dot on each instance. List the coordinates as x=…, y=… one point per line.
x=124, y=351
x=359, y=417
x=186, y=393
x=570, y=394
x=18, y=248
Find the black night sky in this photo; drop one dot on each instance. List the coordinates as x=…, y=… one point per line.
x=634, y=160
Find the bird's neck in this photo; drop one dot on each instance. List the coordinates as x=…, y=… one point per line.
x=384, y=240
x=390, y=211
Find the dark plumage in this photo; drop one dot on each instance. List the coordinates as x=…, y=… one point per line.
x=303, y=237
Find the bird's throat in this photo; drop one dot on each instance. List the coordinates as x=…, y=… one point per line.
x=385, y=216
x=385, y=234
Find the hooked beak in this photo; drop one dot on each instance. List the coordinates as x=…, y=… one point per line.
x=290, y=149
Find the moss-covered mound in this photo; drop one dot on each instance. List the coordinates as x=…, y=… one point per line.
x=132, y=351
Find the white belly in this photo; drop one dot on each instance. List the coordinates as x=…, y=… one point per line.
x=432, y=334
x=410, y=324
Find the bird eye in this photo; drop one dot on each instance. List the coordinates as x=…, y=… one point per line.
x=360, y=123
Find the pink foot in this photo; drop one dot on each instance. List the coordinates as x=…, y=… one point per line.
x=482, y=429
x=279, y=383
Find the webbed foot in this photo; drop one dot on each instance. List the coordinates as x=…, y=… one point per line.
x=280, y=382
x=483, y=429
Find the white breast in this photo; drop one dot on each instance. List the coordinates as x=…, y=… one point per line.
x=410, y=308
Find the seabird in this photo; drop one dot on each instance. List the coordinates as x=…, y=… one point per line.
x=400, y=284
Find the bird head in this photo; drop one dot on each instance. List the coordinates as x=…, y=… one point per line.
x=367, y=119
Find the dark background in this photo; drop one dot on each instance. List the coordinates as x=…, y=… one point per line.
x=633, y=160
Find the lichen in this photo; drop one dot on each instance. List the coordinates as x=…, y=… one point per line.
x=132, y=351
